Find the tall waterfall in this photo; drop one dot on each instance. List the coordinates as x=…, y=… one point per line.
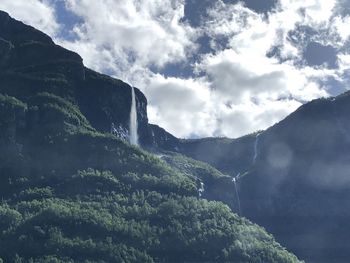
x=133, y=137
x=234, y=180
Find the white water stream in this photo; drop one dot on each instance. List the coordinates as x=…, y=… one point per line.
x=234, y=180
x=133, y=137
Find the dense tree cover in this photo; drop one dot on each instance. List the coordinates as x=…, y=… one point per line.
x=130, y=206
x=99, y=217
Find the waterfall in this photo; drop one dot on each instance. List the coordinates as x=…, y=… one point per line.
x=201, y=189
x=256, y=145
x=237, y=195
x=133, y=137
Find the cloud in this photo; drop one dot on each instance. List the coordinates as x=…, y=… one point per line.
x=344, y=60
x=249, y=117
x=251, y=90
x=40, y=14
x=312, y=12
x=147, y=32
x=242, y=78
x=341, y=26
x=183, y=106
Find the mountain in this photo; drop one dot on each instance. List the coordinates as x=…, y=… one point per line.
x=301, y=178
x=293, y=178
x=74, y=190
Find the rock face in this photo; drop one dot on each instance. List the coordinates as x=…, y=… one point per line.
x=158, y=139
x=19, y=33
x=106, y=101
x=32, y=63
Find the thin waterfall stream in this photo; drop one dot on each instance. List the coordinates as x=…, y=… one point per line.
x=133, y=136
x=234, y=180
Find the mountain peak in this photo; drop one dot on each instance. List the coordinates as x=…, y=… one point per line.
x=18, y=33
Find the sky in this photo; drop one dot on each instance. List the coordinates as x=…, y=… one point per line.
x=207, y=67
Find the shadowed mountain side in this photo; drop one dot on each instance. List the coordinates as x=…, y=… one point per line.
x=302, y=177
x=294, y=178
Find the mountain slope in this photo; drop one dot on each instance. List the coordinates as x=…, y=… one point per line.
x=302, y=174
x=294, y=177
x=73, y=192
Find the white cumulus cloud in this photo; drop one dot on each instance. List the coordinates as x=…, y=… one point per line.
x=40, y=14
x=141, y=32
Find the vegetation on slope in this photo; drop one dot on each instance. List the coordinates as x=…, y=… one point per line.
x=76, y=195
